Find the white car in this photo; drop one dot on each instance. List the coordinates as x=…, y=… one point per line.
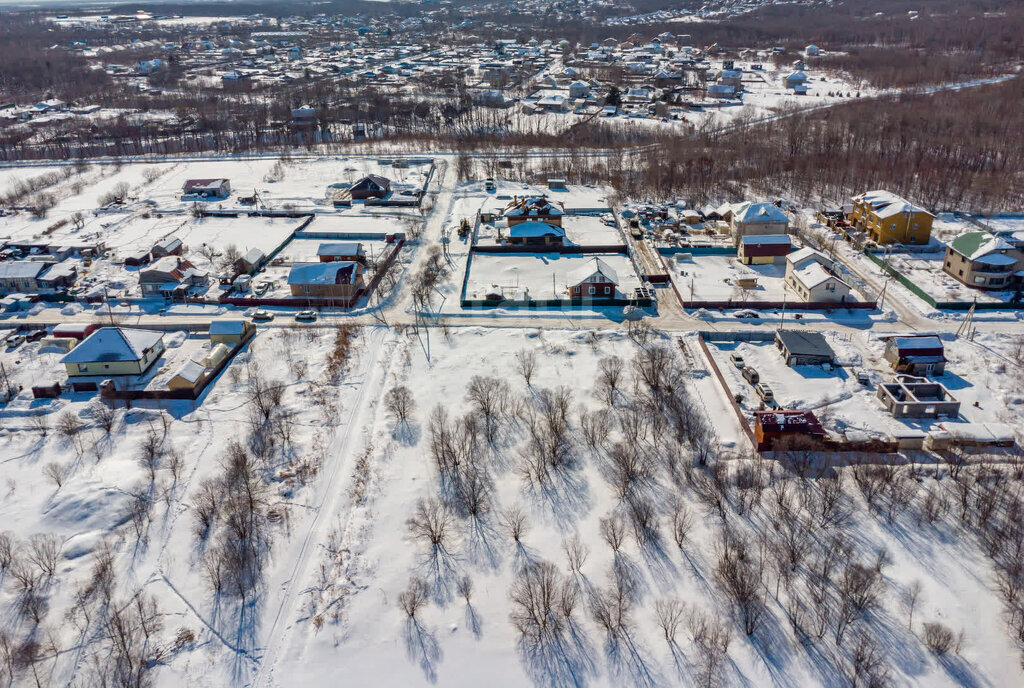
x=261, y=314
x=737, y=361
x=308, y=316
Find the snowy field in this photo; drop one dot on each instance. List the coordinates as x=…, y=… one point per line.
x=541, y=275
x=925, y=270
x=714, y=278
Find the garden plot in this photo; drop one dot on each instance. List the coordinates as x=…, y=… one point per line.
x=974, y=373
x=357, y=220
x=948, y=226
x=305, y=250
x=539, y=276
x=925, y=271
x=244, y=233
x=577, y=198
x=580, y=230
x=715, y=278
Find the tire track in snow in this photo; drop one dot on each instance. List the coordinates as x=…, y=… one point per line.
x=330, y=493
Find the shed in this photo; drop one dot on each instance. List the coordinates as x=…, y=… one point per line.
x=230, y=332
x=920, y=355
x=804, y=348
x=188, y=376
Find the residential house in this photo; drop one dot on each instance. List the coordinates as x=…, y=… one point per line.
x=115, y=351
x=21, y=276
x=794, y=79
x=919, y=355
x=723, y=91
x=595, y=280
x=171, y=277
x=757, y=218
x=535, y=233
x=536, y=208
x=340, y=280
x=803, y=348
x=786, y=427
x=169, y=246
x=888, y=218
x=811, y=275
x=59, y=275
x=984, y=261
x=230, y=332
x=370, y=186
x=249, y=262
x=205, y=189
x=579, y=89
x=812, y=51
x=341, y=251
x=763, y=249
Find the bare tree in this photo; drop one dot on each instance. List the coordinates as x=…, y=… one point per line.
x=939, y=638
x=7, y=547
x=739, y=577
x=867, y=666
x=43, y=550
x=609, y=378
x=56, y=472
x=576, y=553
x=682, y=522
x=711, y=638
x=911, y=596
x=670, y=615
x=858, y=589
x=515, y=522
x=613, y=531
x=537, y=609
x=526, y=364
x=399, y=403
x=413, y=598
x=432, y=522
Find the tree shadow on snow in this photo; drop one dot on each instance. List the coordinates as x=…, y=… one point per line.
x=560, y=661
x=422, y=647
x=628, y=661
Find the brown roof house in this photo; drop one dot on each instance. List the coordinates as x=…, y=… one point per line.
x=792, y=427
x=370, y=186
x=593, y=280
x=536, y=208
x=335, y=280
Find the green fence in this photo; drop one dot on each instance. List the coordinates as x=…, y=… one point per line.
x=943, y=305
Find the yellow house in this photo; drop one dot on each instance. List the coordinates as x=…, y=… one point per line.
x=115, y=351
x=188, y=376
x=890, y=219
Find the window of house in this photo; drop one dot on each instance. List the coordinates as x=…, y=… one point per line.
x=607, y=290
x=996, y=280
x=306, y=288
x=948, y=264
x=592, y=290
x=961, y=272
x=979, y=280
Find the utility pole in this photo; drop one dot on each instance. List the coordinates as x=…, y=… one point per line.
x=881, y=299
x=782, y=322
x=110, y=313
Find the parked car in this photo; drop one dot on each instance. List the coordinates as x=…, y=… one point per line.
x=489, y=185
x=746, y=313
x=307, y=316
x=751, y=375
x=261, y=288
x=35, y=335
x=262, y=315
x=15, y=340
x=764, y=391
x=737, y=361
x=863, y=377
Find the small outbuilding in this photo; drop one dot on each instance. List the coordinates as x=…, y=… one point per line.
x=804, y=348
x=920, y=355
x=230, y=332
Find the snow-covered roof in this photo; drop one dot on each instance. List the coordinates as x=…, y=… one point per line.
x=766, y=239
x=342, y=272
x=918, y=342
x=593, y=267
x=21, y=269
x=253, y=256
x=340, y=248
x=759, y=212
x=978, y=245
x=532, y=206
x=535, y=228
x=887, y=204
x=813, y=275
x=190, y=371
x=227, y=327
x=114, y=344
x=807, y=253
